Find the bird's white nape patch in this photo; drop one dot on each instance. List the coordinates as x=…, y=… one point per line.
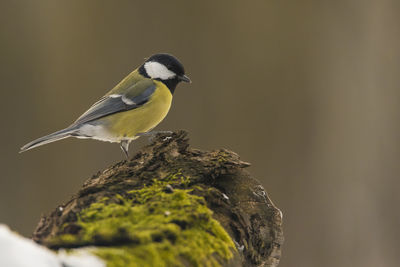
x=158, y=71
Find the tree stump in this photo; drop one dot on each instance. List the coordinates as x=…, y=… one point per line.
x=170, y=205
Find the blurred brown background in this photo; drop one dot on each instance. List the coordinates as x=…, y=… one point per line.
x=307, y=91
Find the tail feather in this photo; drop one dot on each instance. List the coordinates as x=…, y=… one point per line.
x=65, y=133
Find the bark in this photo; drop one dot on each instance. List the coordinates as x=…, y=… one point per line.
x=218, y=178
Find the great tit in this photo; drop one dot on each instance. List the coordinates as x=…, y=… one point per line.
x=131, y=109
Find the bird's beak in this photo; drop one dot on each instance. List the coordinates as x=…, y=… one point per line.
x=185, y=79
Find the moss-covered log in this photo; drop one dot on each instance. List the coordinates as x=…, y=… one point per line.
x=170, y=205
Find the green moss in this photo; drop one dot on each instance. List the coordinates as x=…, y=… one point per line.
x=222, y=156
x=177, y=178
x=157, y=227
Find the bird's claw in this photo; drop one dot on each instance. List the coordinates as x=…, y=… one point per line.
x=153, y=134
x=167, y=138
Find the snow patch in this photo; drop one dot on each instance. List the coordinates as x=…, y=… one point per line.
x=18, y=251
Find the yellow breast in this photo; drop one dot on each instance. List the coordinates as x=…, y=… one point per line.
x=128, y=124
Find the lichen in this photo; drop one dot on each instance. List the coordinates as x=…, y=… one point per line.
x=222, y=156
x=153, y=226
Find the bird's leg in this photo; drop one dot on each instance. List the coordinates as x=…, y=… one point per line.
x=125, y=147
x=152, y=134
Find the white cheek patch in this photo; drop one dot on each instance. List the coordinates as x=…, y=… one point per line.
x=158, y=71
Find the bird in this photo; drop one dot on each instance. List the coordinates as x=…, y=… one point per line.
x=136, y=105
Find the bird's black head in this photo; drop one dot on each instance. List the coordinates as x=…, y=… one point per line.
x=165, y=68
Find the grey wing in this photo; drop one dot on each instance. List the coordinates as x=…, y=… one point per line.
x=110, y=104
